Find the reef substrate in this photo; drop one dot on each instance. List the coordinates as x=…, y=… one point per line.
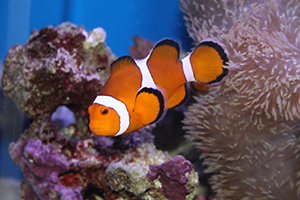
x=67, y=66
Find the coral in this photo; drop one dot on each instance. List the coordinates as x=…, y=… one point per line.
x=66, y=67
x=55, y=65
x=172, y=179
x=130, y=173
x=141, y=47
x=57, y=168
x=247, y=126
x=176, y=176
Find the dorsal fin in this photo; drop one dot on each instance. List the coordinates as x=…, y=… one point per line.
x=165, y=50
x=121, y=64
x=218, y=48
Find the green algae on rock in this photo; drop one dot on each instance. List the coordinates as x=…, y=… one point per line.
x=151, y=174
x=130, y=173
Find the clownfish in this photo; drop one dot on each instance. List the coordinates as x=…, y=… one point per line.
x=139, y=91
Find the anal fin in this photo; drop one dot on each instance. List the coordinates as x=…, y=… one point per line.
x=149, y=105
x=179, y=97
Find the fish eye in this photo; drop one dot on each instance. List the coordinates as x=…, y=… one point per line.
x=102, y=68
x=104, y=111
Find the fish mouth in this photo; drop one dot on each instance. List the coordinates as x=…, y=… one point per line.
x=97, y=128
x=100, y=130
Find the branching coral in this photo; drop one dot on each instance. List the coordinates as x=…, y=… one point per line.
x=247, y=127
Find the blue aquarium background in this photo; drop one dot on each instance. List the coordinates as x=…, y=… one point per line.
x=151, y=19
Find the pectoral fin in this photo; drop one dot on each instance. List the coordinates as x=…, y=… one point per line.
x=149, y=105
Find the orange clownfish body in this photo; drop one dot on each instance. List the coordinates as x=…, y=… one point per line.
x=139, y=91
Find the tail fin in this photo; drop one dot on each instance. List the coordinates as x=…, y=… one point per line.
x=205, y=63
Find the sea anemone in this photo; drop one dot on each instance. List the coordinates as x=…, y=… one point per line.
x=247, y=126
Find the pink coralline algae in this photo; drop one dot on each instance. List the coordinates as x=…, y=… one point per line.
x=57, y=168
x=67, y=66
x=141, y=47
x=55, y=67
x=174, y=175
x=98, y=167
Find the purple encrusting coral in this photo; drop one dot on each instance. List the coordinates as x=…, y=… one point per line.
x=67, y=66
x=57, y=168
x=173, y=175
